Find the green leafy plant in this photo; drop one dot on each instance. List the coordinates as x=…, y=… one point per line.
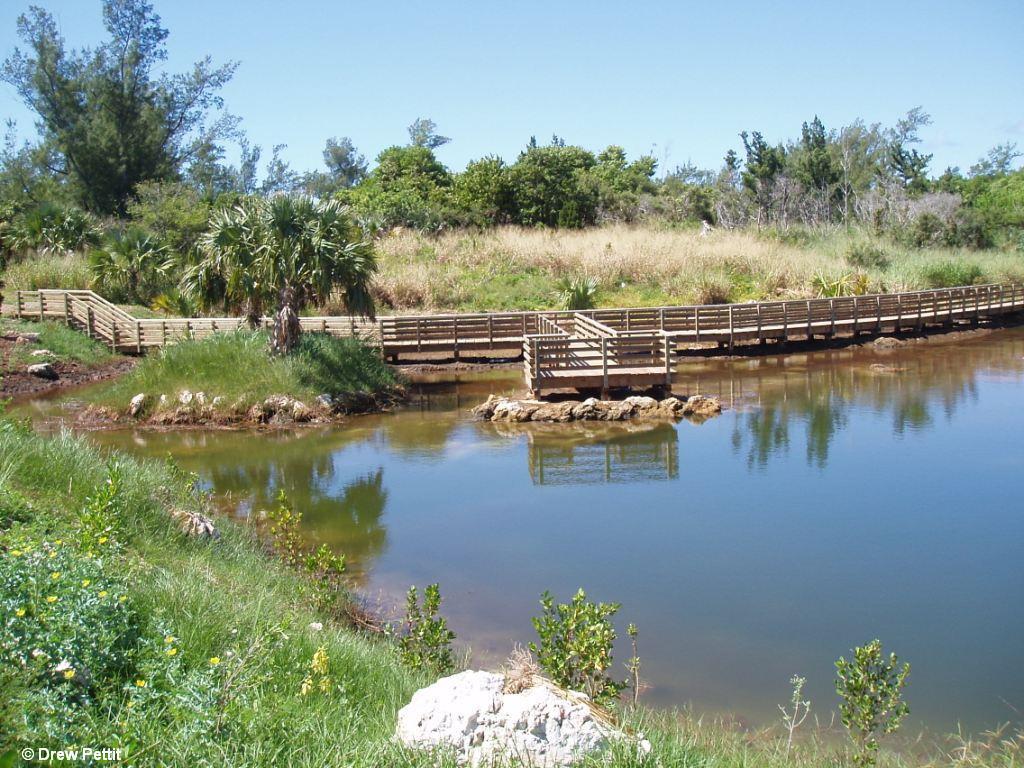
x=831, y=286
x=100, y=523
x=326, y=570
x=577, y=293
x=952, y=273
x=871, y=688
x=576, y=641
x=426, y=641
x=284, y=530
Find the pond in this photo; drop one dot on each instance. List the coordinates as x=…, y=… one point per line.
x=844, y=495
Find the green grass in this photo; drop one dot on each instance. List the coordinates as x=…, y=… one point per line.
x=66, y=344
x=193, y=652
x=240, y=368
x=35, y=271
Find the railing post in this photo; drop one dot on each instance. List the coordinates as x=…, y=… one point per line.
x=856, y=315
x=604, y=367
x=696, y=322
x=785, y=322
x=732, y=330
x=90, y=322
x=668, y=365
x=138, y=337
x=810, y=330
x=67, y=311
x=455, y=331
x=759, y=339
x=163, y=333
x=832, y=317
x=113, y=335
x=878, y=308
x=17, y=304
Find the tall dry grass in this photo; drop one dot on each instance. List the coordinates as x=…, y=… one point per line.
x=516, y=268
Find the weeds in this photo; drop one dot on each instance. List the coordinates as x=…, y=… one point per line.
x=576, y=641
x=577, y=293
x=795, y=716
x=426, y=641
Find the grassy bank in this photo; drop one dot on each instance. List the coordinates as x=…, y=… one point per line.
x=239, y=369
x=514, y=268
x=120, y=631
x=65, y=344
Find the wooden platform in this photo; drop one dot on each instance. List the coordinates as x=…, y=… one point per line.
x=598, y=349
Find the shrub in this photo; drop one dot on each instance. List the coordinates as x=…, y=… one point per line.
x=926, y=230
x=577, y=293
x=426, y=642
x=830, y=286
x=576, y=642
x=129, y=266
x=949, y=274
x=871, y=689
x=52, y=229
x=867, y=256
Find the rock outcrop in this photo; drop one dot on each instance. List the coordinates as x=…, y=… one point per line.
x=43, y=371
x=504, y=409
x=471, y=716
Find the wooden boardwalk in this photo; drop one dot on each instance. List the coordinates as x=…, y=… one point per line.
x=598, y=349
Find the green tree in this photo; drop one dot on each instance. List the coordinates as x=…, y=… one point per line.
x=484, y=191
x=763, y=167
x=129, y=266
x=423, y=133
x=345, y=168
x=108, y=116
x=902, y=162
x=552, y=188
x=173, y=211
x=290, y=250
x=408, y=187
x=871, y=689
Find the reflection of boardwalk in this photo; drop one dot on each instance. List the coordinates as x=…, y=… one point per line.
x=629, y=457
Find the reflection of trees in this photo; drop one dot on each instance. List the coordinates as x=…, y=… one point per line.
x=912, y=386
x=246, y=473
x=561, y=454
x=424, y=437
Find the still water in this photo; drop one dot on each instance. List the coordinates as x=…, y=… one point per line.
x=844, y=495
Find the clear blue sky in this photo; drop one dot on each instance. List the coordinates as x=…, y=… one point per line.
x=679, y=79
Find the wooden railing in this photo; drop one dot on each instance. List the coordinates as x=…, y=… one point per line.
x=566, y=337
x=122, y=332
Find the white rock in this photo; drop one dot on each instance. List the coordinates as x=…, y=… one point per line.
x=506, y=410
x=137, y=404
x=185, y=397
x=217, y=402
x=41, y=353
x=469, y=714
x=325, y=401
x=316, y=626
x=43, y=371
x=200, y=398
x=163, y=401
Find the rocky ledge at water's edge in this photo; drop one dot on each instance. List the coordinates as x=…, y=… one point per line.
x=189, y=408
x=696, y=407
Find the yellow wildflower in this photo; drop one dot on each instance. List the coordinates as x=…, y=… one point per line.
x=122, y=598
x=58, y=542
x=103, y=593
x=51, y=599
x=307, y=686
x=16, y=553
x=52, y=553
x=20, y=612
x=55, y=575
x=140, y=683
x=103, y=540
x=86, y=582
x=171, y=651
x=214, y=661
x=169, y=639
x=68, y=674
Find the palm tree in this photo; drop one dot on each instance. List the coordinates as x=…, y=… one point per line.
x=291, y=251
x=128, y=265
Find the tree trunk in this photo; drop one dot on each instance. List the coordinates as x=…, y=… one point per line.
x=287, y=328
x=253, y=313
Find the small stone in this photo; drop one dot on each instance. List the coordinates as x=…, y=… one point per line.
x=556, y=412
x=185, y=397
x=137, y=404
x=485, y=410
x=217, y=402
x=301, y=411
x=325, y=401
x=43, y=371
x=41, y=353
x=200, y=398
x=888, y=342
x=27, y=338
x=672, y=406
x=163, y=401
x=316, y=626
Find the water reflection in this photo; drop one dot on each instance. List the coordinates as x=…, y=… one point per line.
x=588, y=456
